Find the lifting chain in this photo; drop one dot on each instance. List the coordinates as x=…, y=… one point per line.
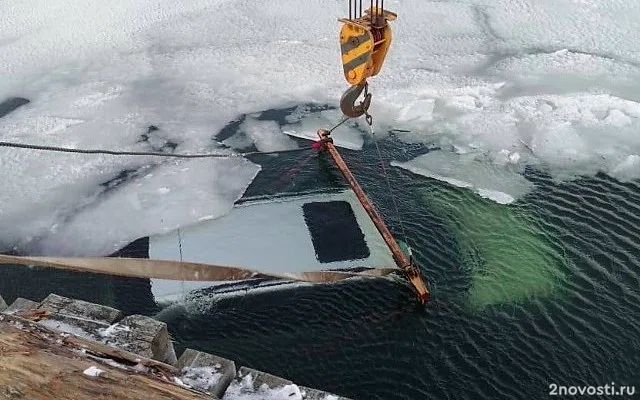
x=369, y=120
x=367, y=116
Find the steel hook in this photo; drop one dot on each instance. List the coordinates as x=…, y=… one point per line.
x=349, y=98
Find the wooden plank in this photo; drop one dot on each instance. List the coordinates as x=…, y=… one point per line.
x=181, y=271
x=36, y=364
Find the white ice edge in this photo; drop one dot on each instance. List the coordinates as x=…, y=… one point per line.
x=498, y=183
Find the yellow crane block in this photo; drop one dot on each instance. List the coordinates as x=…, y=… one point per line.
x=364, y=43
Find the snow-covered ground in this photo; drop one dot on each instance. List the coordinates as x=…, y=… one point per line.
x=496, y=84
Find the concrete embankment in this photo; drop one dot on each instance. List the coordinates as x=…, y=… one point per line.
x=68, y=349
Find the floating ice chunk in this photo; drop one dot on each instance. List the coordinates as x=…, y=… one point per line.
x=505, y=157
x=208, y=188
x=313, y=136
x=502, y=184
x=498, y=197
x=460, y=149
x=345, y=136
x=238, y=141
x=419, y=110
x=628, y=169
x=266, y=135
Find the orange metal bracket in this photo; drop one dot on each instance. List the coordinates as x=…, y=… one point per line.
x=410, y=269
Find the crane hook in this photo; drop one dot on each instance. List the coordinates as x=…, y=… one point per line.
x=349, y=98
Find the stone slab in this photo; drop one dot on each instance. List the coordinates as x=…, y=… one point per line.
x=82, y=309
x=206, y=372
x=142, y=335
x=315, y=394
x=77, y=317
x=21, y=304
x=252, y=382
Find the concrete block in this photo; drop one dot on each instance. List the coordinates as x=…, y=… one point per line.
x=78, y=308
x=21, y=304
x=315, y=394
x=260, y=378
x=54, y=303
x=252, y=383
x=77, y=317
x=3, y=305
x=144, y=336
x=206, y=372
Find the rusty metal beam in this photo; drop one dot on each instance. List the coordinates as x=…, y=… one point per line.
x=411, y=271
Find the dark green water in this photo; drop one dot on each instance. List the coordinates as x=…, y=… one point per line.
x=539, y=292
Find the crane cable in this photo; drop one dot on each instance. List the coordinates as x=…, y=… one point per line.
x=356, y=12
x=141, y=153
x=58, y=149
x=369, y=120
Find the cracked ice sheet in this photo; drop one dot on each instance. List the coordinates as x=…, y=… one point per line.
x=593, y=26
x=266, y=135
x=573, y=135
x=546, y=95
x=502, y=185
x=55, y=202
x=168, y=197
x=567, y=112
x=97, y=75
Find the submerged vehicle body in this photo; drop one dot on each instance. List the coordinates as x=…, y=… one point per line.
x=292, y=233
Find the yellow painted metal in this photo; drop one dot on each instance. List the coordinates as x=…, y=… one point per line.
x=356, y=59
x=364, y=43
